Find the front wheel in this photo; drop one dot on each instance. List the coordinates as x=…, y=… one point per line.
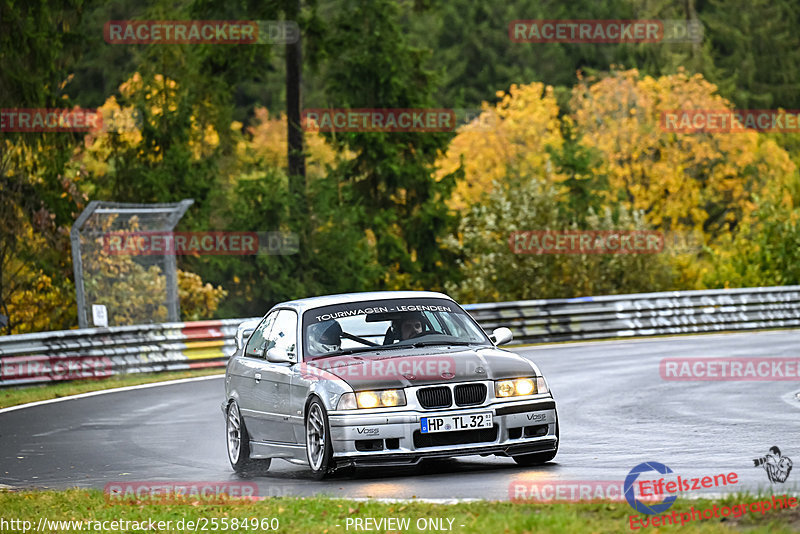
x=318, y=440
x=238, y=441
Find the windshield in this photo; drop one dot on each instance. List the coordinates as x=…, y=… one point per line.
x=387, y=324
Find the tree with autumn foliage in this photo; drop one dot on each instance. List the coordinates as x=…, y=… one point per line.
x=515, y=134
x=685, y=182
x=611, y=154
x=492, y=272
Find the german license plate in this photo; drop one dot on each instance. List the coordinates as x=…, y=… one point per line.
x=451, y=423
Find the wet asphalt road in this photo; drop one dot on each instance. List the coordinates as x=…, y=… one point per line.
x=615, y=412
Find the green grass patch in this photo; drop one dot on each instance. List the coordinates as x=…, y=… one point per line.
x=23, y=394
x=328, y=515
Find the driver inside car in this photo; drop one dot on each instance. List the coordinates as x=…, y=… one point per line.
x=411, y=325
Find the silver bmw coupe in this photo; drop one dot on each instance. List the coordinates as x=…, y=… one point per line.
x=381, y=378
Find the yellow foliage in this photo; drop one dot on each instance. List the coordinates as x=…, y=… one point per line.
x=37, y=294
x=268, y=141
x=198, y=301
x=506, y=140
x=38, y=302
x=125, y=123
x=680, y=180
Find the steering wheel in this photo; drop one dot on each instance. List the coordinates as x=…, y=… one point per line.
x=415, y=336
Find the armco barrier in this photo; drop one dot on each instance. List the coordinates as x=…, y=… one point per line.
x=643, y=314
x=99, y=352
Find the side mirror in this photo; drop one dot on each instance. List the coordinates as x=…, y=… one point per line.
x=244, y=330
x=241, y=336
x=501, y=335
x=278, y=355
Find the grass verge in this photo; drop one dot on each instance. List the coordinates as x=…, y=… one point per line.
x=331, y=516
x=14, y=396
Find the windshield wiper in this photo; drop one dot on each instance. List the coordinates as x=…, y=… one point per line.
x=345, y=352
x=382, y=348
x=432, y=343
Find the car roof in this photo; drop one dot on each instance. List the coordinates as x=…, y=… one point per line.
x=301, y=305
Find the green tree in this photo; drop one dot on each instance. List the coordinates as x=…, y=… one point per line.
x=754, y=48
x=391, y=175
x=472, y=49
x=38, y=200
x=492, y=272
x=764, y=253
x=338, y=256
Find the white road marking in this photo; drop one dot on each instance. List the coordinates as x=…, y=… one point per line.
x=792, y=399
x=452, y=501
x=113, y=390
x=406, y=501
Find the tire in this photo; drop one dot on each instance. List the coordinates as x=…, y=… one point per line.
x=319, y=449
x=539, y=458
x=238, y=444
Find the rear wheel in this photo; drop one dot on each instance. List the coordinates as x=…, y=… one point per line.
x=539, y=458
x=238, y=441
x=318, y=440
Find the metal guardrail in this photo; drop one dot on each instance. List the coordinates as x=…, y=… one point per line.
x=101, y=352
x=643, y=314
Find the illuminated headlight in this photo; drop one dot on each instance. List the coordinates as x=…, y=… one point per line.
x=515, y=388
x=386, y=398
x=391, y=397
x=367, y=399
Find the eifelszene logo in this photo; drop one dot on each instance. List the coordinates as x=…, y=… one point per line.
x=777, y=467
x=637, y=504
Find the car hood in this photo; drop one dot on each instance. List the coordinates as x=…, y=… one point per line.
x=426, y=365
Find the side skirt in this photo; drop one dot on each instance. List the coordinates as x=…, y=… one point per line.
x=287, y=451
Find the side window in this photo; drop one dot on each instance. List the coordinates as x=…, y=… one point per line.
x=284, y=333
x=454, y=325
x=258, y=341
x=436, y=324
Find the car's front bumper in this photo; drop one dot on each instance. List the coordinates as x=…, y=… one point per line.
x=394, y=438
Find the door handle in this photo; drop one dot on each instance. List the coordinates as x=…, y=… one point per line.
x=258, y=377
